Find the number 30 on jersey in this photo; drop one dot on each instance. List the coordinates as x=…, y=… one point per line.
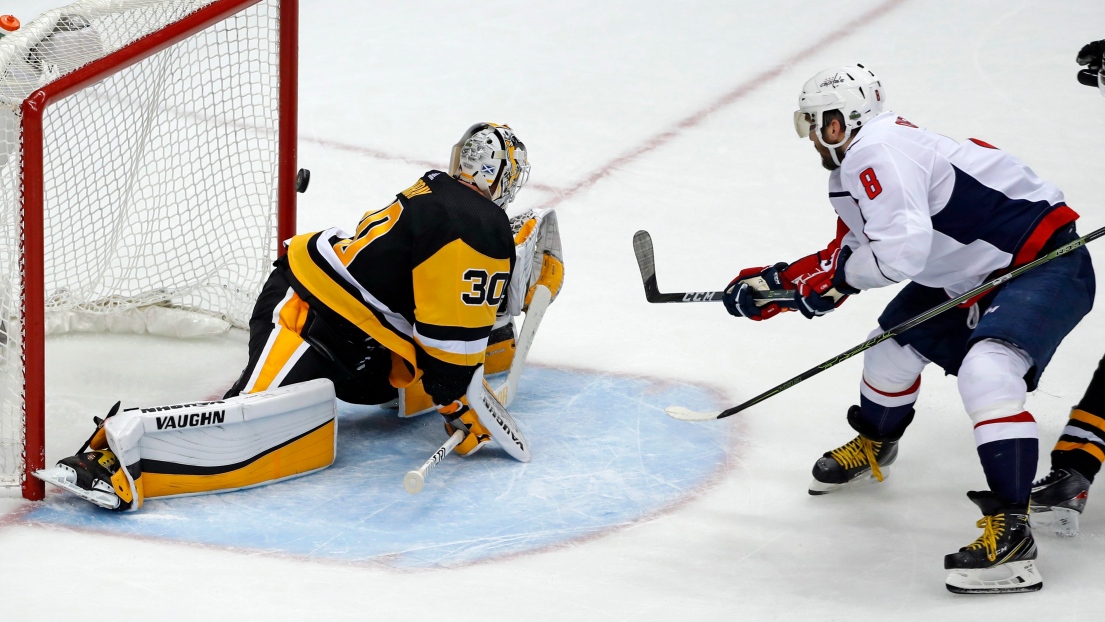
x=485, y=288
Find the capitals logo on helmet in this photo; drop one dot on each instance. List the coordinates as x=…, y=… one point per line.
x=853, y=90
x=490, y=157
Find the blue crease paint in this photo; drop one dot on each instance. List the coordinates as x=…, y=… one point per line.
x=604, y=455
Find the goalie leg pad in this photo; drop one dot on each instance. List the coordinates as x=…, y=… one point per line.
x=414, y=401
x=500, y=347
x=207, y=447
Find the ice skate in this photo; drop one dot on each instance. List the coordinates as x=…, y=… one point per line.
x=88, y=475
x=1003, y=559
x=1057, y=500
x=860, y=460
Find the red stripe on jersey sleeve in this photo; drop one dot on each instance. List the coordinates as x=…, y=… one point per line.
x=1024, y=417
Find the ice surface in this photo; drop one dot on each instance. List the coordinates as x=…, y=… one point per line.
x=488, y=507
x=672, y=117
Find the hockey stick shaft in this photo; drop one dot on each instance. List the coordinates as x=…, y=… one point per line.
x=646, y=263
x=414, y=480
x=914, y=321
x=536, y=311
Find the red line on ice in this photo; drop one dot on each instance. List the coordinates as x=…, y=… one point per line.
x=738, y=93
x=383, y=155
x=690, y=121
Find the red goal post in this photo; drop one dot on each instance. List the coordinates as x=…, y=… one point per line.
x=177, y=202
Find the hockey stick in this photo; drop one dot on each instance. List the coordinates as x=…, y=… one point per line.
x=537, y=305
x=646, y=262
x=413, y=480
x=686, y=414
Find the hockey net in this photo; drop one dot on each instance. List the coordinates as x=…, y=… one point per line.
x=146, y=162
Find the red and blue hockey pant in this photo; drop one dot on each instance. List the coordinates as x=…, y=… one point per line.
x=998, y=351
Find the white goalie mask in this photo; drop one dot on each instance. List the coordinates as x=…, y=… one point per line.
x=491, y=157
x=854, y=90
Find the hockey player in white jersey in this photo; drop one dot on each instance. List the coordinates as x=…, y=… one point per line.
x=946, y=216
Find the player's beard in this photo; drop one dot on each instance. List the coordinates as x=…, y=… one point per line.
x=826, y=158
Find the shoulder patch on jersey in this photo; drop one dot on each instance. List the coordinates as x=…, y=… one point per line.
x=419, y=188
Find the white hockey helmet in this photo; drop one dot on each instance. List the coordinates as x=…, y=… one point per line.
x=854, y=90
x=490, y=157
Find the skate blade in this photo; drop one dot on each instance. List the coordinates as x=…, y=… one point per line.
x=821, y=488
x=1008, y=578
x=66, y=478
x=1060, y=521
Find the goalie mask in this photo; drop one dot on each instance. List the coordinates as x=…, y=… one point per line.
x=853, y=90
x=491, y=157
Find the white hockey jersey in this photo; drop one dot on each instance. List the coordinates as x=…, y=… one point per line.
x=923, y=207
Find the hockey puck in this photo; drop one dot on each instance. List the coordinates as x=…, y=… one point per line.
x=412, y=482
x=302, y=180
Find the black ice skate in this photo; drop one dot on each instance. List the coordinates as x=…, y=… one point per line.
x=1057, y=500
x=89, y=476
x=1002, y=559
x=863, y=458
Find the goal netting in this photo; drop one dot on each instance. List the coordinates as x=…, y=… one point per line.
x=141, y=173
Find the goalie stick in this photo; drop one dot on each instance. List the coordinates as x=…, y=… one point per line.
x=686, y=414
x=414, y=480
x=492, y=414
x=537, y=305
x=646, y=262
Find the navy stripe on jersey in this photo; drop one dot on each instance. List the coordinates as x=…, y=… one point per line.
x=977, y=212
x=452, y=333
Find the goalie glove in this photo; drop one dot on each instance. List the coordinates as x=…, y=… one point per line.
x=459, y=417
x=819, y=279
x=739, y=300
x=1092, y=55
x=540, y=258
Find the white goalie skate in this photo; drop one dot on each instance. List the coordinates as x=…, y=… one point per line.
x=65, y=477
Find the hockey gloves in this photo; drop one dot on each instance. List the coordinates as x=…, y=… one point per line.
x=819, y=279
x=1091, y=56
x=459, y=417
x=739, y=299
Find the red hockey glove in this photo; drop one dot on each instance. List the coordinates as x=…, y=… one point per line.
x=739, y=299
x=819, y=279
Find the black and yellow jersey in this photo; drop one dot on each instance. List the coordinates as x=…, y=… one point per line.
x=423, y=276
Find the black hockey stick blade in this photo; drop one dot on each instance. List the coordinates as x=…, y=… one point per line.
x=646, y=262
x=686, y=414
